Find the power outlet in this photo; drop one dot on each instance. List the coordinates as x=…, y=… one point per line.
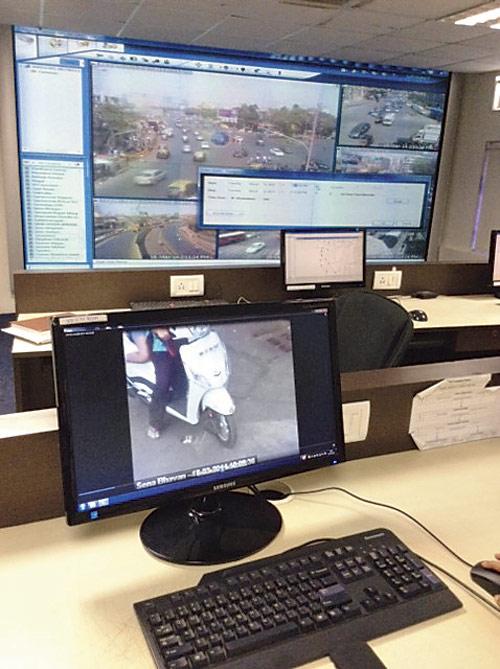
x=390, y=280
x=189, y=285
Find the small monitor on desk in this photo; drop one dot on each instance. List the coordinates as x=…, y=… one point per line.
x=315, y=259
x=174, y=408
x=495, y=261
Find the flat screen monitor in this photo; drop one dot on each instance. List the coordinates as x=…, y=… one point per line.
x=495, y=261
x=318, y=259
x=174, y=408
x=113, y=132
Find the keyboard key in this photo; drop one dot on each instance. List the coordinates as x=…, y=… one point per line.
x=266, y=637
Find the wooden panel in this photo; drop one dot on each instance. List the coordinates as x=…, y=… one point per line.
x=114, y=289
x=31, y=479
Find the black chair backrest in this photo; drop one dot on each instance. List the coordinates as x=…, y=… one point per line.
x=373, y=331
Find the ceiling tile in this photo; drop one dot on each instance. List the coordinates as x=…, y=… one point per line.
x=486, y=42
x=358, y=54
x=443, y=31
x=368, y=21
x=430, y=9
x=398, y=44
x=479, y=65
x=322, y=38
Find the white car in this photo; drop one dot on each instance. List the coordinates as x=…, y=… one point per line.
x=276, y=152
x=205, y=145
x=149, y=177
x=255, y=248
x=186, y=148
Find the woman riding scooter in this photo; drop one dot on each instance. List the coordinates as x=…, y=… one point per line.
x=157, y=346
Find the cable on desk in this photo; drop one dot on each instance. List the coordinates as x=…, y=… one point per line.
x=386, y=506
x=461, y=583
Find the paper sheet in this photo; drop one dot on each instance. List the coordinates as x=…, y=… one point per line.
x=455, y=410
x=356, y=417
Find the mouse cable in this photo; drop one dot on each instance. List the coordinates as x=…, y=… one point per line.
x=385, y=506
x=470, y=590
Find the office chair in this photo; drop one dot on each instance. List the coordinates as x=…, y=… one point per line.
x=373, y=331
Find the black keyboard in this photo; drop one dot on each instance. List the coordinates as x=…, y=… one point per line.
x=150, y=305
x=289, y=609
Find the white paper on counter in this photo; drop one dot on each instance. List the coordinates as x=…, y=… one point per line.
x=455, y=410
x=356, y=417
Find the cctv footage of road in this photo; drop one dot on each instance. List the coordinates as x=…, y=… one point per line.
x=260, y=384
x=390, y=118
x=152, y=128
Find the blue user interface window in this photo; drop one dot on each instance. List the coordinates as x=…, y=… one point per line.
x=113, y=133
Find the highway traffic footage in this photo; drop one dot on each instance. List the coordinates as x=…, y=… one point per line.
x=149, y=144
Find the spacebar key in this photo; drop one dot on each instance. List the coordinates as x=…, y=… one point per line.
x=249, y=643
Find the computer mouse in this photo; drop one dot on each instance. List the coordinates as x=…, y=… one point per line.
x=424, y=294
x=488, y=579
x=418, y=315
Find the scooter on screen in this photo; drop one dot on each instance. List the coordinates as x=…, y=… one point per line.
x=200, y=395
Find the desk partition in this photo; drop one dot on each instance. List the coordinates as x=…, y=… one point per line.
x=32, y=461
x=115, y=289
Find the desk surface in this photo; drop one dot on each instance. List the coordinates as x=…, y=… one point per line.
x=69, y=591
x=445, y=311
x=455, y=311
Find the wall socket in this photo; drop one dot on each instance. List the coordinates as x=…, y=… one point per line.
x=188, y=285
x=390, y=280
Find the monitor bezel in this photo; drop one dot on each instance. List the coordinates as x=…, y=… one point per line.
x=180, y=316
x=494, y=240
x=327, y=285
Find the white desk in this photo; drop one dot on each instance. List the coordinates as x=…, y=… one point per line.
x=465, y=324
x=455, y=311
x=67, y=593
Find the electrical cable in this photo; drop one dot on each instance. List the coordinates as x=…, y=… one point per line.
x=422, y=526
x=461, y=583
x=392, y=508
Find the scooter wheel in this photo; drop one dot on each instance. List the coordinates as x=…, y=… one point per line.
x=225, y=429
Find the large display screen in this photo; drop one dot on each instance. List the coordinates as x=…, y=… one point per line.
x=112, y=133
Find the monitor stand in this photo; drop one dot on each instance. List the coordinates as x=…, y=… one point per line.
x=216, y=528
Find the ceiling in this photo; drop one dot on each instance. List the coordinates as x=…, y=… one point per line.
x=399, y=32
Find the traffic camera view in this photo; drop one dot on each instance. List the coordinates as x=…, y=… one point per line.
x=393, y=118
x=251, y=367
x=152, y=128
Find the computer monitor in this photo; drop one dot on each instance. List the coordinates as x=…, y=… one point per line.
x=495, y=261
x=174, y=408
x=315, y=259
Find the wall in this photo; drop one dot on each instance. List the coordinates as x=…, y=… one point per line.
x=10, y=211
x=477, y=124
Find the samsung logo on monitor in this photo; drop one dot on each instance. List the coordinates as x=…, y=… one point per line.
x=224, y=486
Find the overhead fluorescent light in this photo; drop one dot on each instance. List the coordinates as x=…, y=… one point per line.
x=486, y=14
x=482, y=17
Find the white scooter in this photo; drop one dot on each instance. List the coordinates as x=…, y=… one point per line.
x=201, y=395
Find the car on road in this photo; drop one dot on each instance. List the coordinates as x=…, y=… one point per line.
x=205, y=145
x=359, y=130
x=388, y=119
x=240, y=153
x=185, y=139
x=276, y=151
x=149, y=177
x=220, y=137
x=163, y=152
x=186, y=148
x=182, y=188
x=255, y=247
x=199, y=156
x=259, y=141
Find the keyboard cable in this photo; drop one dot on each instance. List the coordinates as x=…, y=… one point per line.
x=417, y=522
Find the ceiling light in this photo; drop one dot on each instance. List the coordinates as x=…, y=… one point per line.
x=486, y=14
x=482, y=17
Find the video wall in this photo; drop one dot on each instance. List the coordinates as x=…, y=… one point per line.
x=112, y=134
